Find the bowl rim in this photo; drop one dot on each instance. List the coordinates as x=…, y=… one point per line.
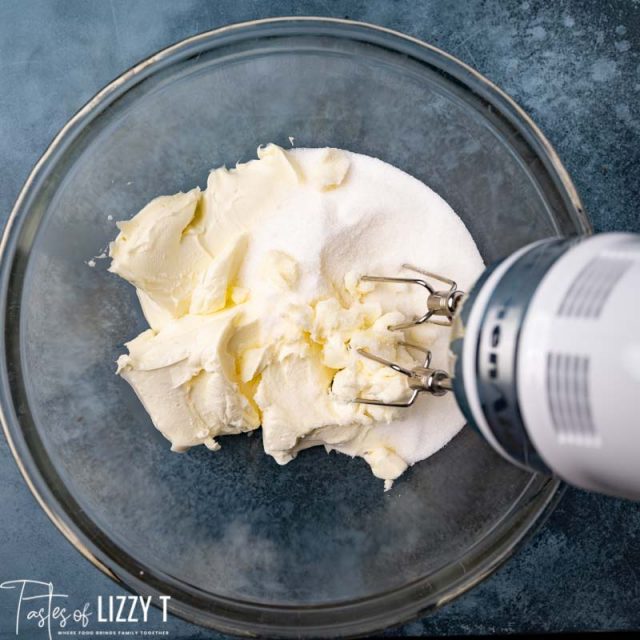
x=336, y=619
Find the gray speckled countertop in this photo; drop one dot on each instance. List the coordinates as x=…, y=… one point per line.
x=574, y=65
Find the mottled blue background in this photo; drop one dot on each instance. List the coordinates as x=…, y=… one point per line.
x=574, y=65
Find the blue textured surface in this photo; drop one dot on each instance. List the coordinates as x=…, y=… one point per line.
x=574, y=66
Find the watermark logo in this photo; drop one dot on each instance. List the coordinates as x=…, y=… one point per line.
x=38, y=603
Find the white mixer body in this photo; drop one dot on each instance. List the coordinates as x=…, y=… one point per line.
x=579, y=365
x=547, y=360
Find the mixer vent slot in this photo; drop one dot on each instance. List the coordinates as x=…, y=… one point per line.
x=568, y=397
x=592, y=287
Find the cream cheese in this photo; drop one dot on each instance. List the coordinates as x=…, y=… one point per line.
x=252, y=292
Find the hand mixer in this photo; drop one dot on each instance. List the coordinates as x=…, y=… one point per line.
x=545, y=357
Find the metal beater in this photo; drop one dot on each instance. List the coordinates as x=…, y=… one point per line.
x=441, y=307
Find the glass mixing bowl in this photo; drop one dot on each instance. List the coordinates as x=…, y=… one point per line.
x=240, y=544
